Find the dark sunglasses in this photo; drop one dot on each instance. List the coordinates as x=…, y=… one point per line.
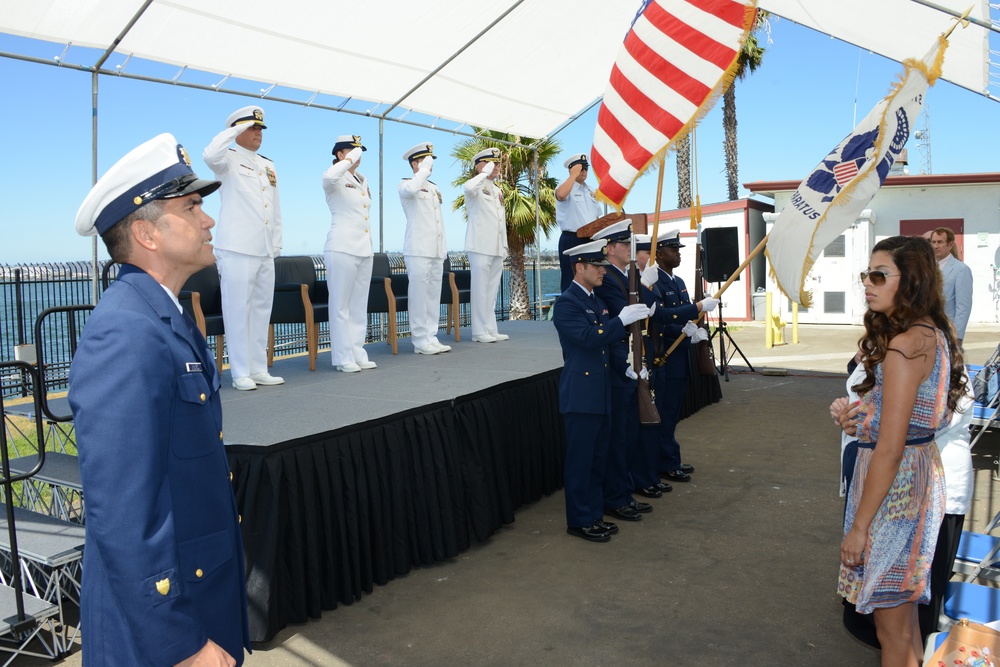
x=876, y=277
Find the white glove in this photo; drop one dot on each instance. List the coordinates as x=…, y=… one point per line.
x=652, y=309
x=649, y=276
x=699, y=335
x=354, y=155
x=630, y=373
x=427, y=163
x=690, y=330
x=643, y=373
x=633, y=313
x=488, y=169
x=708, y=304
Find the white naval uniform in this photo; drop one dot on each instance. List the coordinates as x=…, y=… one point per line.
x=486, y=244
x=348, y=254
x=247, y=238
x=424, y=249
x=578, y=209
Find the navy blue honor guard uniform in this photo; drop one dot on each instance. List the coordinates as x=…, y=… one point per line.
x=670, y=378
x=624, y=439
x=586, y=331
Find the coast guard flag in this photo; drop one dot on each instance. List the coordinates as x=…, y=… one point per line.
x=676, y=60
x=830, y=199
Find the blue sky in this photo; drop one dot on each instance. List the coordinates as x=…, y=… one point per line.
x=797, y=107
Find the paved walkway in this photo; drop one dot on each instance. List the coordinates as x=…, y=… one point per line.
x=737, y=567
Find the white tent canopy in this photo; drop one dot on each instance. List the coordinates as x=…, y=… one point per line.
x=526, y=67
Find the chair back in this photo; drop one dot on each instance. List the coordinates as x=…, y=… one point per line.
x=380, y=265
x=289, y=273
x=206, y=283
x=57, y=334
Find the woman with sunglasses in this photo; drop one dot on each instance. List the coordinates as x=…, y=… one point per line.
x=912, y=383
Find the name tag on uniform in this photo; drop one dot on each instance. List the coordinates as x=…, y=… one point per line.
x=193, y=367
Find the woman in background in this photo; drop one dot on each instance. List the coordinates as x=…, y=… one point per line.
x=913, y=381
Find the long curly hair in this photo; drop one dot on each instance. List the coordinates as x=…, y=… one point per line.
x=919, y=296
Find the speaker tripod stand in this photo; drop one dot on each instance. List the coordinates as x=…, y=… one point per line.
x=723, y=332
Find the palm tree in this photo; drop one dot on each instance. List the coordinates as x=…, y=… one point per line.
x=684, y=172
x=751, y=55
x=518, y=177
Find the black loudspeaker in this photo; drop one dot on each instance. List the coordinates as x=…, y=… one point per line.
x=721, y=246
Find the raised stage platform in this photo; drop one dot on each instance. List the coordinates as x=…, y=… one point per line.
x=349, y=480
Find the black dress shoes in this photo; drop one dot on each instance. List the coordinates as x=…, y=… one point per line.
x=591, y=533
x=641, y=508
x=687, y=468
x=612, y=528
x=677, y=476
x=663, y=487
x=649, y=492
x=625, y=513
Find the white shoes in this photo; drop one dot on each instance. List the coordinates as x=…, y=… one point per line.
x=500, y=336
x=244, y=384
x=367, y=365
x=440, y=346
x=429, y=349
x=484, y=338
x=266, y=379
x=349, y=368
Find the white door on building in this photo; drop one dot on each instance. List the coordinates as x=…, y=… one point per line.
x=837, y=293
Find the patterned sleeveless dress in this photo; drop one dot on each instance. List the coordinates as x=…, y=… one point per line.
x=903, y=534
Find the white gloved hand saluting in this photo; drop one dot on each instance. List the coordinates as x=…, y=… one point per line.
x=633, y=313
x=488, y=169
x=708, y=304
x=690, y=330
x=630, y=373
x=354, y=155
x=649, y=276
x=427, y=163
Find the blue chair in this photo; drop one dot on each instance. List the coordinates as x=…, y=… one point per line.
x=978, y=603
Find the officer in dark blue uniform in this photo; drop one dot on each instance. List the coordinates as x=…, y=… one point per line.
x=586, y=331
x=673, y=316
x=163, y=575
x=614, y=293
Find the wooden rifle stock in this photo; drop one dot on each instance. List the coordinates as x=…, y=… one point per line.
x=647, y=408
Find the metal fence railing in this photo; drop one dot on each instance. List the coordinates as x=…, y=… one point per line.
x=27, y=290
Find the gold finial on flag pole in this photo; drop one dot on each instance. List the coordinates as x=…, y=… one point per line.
x=962, y=21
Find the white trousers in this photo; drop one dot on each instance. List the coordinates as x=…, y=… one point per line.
x=348, y=278
x=424, y=298
x=247, y=283
x=486, y=272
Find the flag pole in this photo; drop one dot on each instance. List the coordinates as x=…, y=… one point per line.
x=656, y=216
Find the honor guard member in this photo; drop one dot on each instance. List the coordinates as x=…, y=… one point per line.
x=247, y=240
x=163, y=578
x=586, y=331
x=613, y=292
x=642, y=246
x=348, y=254
x=485, y=243
x=424, y=249
x=576, y=206
x=673, y=316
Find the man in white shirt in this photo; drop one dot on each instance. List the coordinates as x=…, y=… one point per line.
x=424, y=249
x=247, y=239
x=957, y=278
x=576, y=206
x=486, y=243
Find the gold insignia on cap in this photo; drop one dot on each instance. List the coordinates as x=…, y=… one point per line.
x=258, y=114
x=184, y=155
x=430, y=148
x=604, y=250
x=137, y=200
x=163, y=586
x=357, y=140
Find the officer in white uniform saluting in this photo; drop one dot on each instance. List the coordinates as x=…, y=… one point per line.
x=348, y=255
x=576, y=206
x=247, y=239
x=424, y=249
x=486, y=243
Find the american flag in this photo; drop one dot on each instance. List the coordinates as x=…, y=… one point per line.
x=845, y=171
x=675, y=60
